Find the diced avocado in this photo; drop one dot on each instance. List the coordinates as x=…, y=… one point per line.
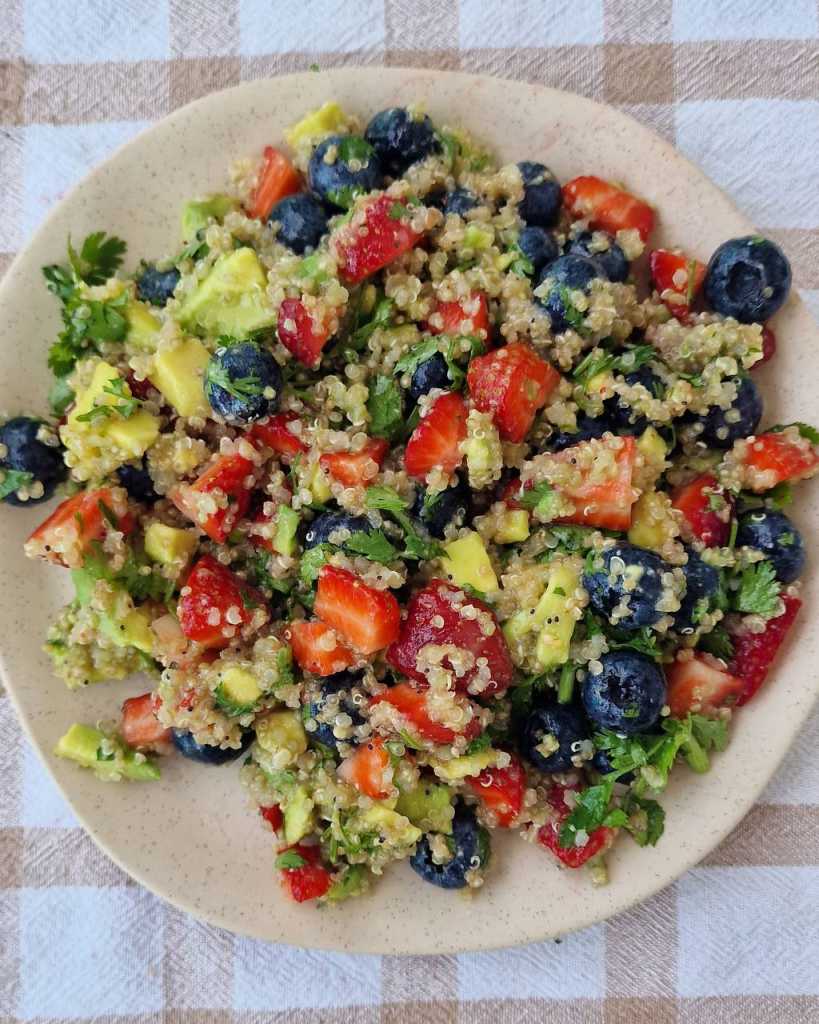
x=480, y=459
x=80, y=664
x=353, y=881
x=652, y=521
x=238, y=691
x=108, y=758
x=467, y=563
x=600, y=385
x=80, y=744
x=298, y=814
x=328, y=119
x=132, y=630
x=179, y=373
x=231, y=300
x=143, y=326
x=654, y=450
x=513, y=527
x=313, y=477
x=477, y=236
x=397, y=829
x=401, y=338
x=287, y=523
x=131, y=436
x=550, y=618
x=197, y=212
x=462, y=767
x=282, y=731
x=169, y=545
x=429, y=806
x=84, y=584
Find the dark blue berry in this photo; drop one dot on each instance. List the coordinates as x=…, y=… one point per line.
x=619, y=567
x=432, y=373
x=602, y=763
x=243, y=382
x=469, y=844
x=777, y=538
x=539, y=247
x=339, y=685
x=748, y=278
x=354, y=169
x=400, y=139
x=542, y=197
x=612, y=261
x=588, y=427
x=565, y=725
x=626, y=694
x=137, y=481
x=157, y=286
x=437, y=511
x=623, y=417
x=302, y=222
x=204, y=753
x=566, y=274
x=702, y=590
x=329, y=523
x=721, y=427
x=460, y=201
x=24, y=453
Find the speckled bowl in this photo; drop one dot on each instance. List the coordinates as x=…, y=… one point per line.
x=190, y=837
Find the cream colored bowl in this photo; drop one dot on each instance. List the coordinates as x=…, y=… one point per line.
x=190, y=838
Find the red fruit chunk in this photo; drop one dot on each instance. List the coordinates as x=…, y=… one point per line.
x=549, y=835
x=274, y=433
x=438, y=615
x=372, y=240
x=229, y=481
x=412, y=704
x=277, y=179
x=299, y=332
x=310, y=881
x=139, y=726
x=511, y=383
x=309, y=642
x=369, y=769
x=211, y=599
x=607, y=207
x=465, y=316
x=679, y=274
x=501, y=790
x=356, y=469
x=435, y=442
x=367, y=618
x=707, y=510
x=604, y=503
x=768, y=346
x=701, y=683
x=273, y=815
x=74, y=525
x=776, y=458
x=754, y=653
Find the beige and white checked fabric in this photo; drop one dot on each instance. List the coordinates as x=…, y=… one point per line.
x=735, y=941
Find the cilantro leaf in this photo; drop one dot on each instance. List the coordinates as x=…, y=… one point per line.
x=385, y=406
x=521, y=265
x=571, y=314
x=312, y=562
x=410, y=361
x=805, y=430
x=643, y=640
x=542, y=500
x=250, y=386
x=645, y=819
x=570, y=539
x=600, y=360
x=718, y=642
x=140, y=584
x=758, y=592
x=381, y=316
x=289, y=860
x=99, y=257
x=374, y=546
x=12, y=480
x=482, y=742
x=353, y=147
x=384, y=499
x=589, y=812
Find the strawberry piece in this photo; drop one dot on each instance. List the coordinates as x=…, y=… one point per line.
x=501, y=790
x=412, y=704
x=372, y=239
x=367, y=618
x=438, y=615
x=356, y=469
x=212, y=598
x=300, y=334
x=277, y=179
x=139, y=726
x=607, y=207
x=707, y=510
x=510, y=493
x=273, y=815
x=464, y=316
x=600, y=502
x=76, y=523
x=229, y=481
x=754, y=653
x=701, y=683
x=768, y=346
x=312, y=880
x=776, y=458
x=317, y=649
x=681, y=276
x=435, y=442
x=369, y=769
x=274, y=433
x=511, y=383
x=549, y=835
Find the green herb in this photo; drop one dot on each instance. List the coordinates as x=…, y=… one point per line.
x=312, y=562
x=374, y=546
x=410, y=361
x=314, y=67
x=779, y=497
x=258, y=564
x=521, y=265
x=643, y=640
x=591, y=811
x=385, y=499
x=716, y=502
x=601, y=361
x=196, y=248
x=565, y=686
x=353, y=147
x=352, y=881
x=718, y=642
x=571, y=314
x=524, y=691
x=99, y=257
x=805, y=430
x=13, y=480
x=346, y=196
x=399, y=210
x=482, y=742
x=732, y=536
x=646, y=819
x=140, y=584
x=758, y=592
x=362, y=329
x=290, y=859
x=542, y=500
x=410, y=742
x=239, y=387
x=385, y=406
x=60, y=396
x=88, y=324
x=570, y=539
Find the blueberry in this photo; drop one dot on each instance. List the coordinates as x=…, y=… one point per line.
x=354, y=169
x=24, y=453
x=542, y=197
x=400, y=139
x=631, y=574
x=539, y=247
x=460, y=201
x=302, y=222
x=329, y=523
x=157, y=286
x=574, y=273
x=469, y=845
x=432, y=373
x=562, y=724
x=337, y=689
x=602, y=763
x=449, y=506
x=588, y=427
x=623, y=417
x=748, y=278
x=237, y=378
x=204, y=753
x=777, y=538
x=137, y=481
x=721, y=427
x=626, y=694
x=702, y=590
x=612, y=261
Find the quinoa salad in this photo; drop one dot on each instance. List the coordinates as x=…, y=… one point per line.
x=426, y=491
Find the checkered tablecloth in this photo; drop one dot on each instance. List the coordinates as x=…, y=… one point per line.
x=735, y=84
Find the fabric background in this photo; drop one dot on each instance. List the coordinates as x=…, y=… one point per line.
x=735, y=84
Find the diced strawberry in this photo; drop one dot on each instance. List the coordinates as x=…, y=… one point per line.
x=74, y=525
x=604, y=503
x=273, y=815
x=356, y=469
x=776, y=458
x=754, y=653
x=465, y=316
x=511, y=383
x=549, y=835
x=300, y=334
x=438, y=615
x=229, y=481
x=277, y=179
x=369, y=769
x=140, y=388
x=678, y=274
x=707, y=510
x=412, y=704
x=701, y=683
x=367, y=618
x=768, y=346
x=317, y=649
x=510, y=493
x=372, y=239
x=215, y=603
x=274, y=432
x=501, y=790
x=435, y=442
x=607, y=207
x=139, y=726
x=311, y=880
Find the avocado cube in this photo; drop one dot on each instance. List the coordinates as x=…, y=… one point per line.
x=84, y=584
x=169, y=545
x=143, y=326
x=552, y=616
x=397, y=829
x=328, y=119
x=463, y=767
x=652, y=521
x=313, y=477
x=179, y=374
x=80, y=744
x=298, y=814
x=654, y=450
x=478, y=237
x=429, y=806
x=197, y=213
x=287, y=523
x=282, y=731
x=467, y=563
x=238, y=690
x=513, y=527
x=231, y=300
x=132, y=630
x=138, y=770
x=133, y=435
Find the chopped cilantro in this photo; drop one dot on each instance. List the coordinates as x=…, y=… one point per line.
x=542, y=500
x=600, y=360
x=385, y=406
x=239, y=388
x=373, y=545
x=312, y=562
x=418, y=354
x=805, y=430
x=362, y=328
x=290, y=859
x=125, y=408
x=718, y=642
x=385, y=499
x=353, y=147
x=140, y=584
x=758, y=592
x=99, y=258
x=13, y=480
x=482, y=742
x=521, y=265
